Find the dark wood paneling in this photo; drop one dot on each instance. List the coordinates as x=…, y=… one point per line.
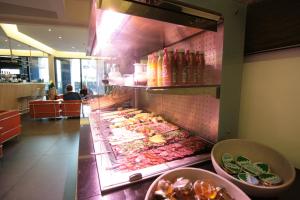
x=272, y=24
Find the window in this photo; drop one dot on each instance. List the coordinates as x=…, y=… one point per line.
x=39, y=69
x=79, y=72
x=68, y=72
x=92, y=74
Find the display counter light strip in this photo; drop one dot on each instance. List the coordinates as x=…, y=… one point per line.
x=11, y=30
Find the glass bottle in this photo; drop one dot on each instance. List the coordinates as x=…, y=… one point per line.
x=149, y=70
x=202, y=67
x=180, y=63
x=167, y=65
x=187, y=68
x=174, y=68
x=152, y=70
x=191, y=72
x=159, y=68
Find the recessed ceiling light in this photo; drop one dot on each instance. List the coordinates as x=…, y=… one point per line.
x=73, y=47
x=18, y=45
x=59, y=37
x=49, y=29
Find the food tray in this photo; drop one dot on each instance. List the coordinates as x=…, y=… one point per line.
x=130, y=169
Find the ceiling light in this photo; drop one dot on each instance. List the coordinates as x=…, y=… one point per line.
x=6, y=40
x=49, y=29
x=59, y=37
x=18, y=45
x=73, y=47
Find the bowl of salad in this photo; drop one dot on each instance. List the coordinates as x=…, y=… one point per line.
x=255, y=168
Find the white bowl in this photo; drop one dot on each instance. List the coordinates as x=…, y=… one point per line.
x=194, y=174
x=256, y=153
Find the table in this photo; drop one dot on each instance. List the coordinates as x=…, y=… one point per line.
x=88, y=187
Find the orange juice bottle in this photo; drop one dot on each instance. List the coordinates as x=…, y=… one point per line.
x=150, y=70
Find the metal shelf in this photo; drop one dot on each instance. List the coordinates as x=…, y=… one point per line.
x=192, y=89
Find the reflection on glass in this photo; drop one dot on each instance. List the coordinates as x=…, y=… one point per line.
x=92, y=70
x=39, y=69
x=91, y=73
x=10, y=71
x=68, y=72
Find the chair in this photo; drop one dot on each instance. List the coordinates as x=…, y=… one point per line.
x=44, y=109
x=71, y=108
x=10, y=125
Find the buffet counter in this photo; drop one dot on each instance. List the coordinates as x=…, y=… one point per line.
x=17, y=95
x=88, y=186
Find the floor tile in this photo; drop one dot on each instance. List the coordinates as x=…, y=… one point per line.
x=65, y=145
x=42, y=163
x=48, y=179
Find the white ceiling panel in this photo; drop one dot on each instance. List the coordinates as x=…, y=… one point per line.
x=72, y=38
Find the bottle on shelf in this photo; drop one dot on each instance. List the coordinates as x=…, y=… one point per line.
x=159, y=68
x=152, y=70
x=174, y=68
x=181, y=64
x=200, y=64
x=167, y=65
x=191, y=74
x=140, y=74
x=187, y=68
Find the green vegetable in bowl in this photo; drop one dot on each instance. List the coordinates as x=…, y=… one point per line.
x=270, y=179
x=242, y=168
x=231, y=168
x=242, y=160
x=252, y=169
x=227, y=157
x=263, y=167
x=248, y=178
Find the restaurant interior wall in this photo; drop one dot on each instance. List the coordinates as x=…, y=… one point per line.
x=270, y=97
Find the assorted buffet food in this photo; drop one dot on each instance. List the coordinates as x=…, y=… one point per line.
x=139, y=139
x=185, y=189
x=135, y=140
x=258, y=173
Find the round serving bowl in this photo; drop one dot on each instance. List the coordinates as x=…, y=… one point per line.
x=256, y=152
x=194, y=174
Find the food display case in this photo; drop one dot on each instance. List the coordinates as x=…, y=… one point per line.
x=142, y=129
